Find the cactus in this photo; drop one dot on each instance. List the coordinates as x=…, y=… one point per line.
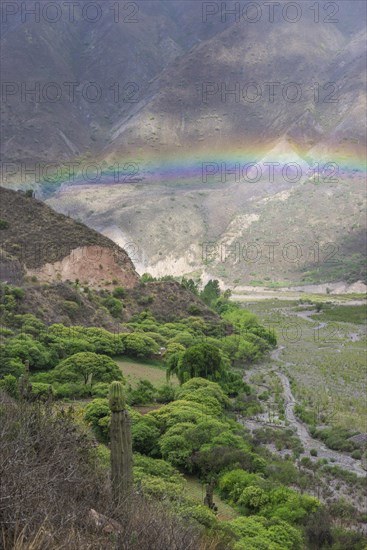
x=121, y=446
x=209, y=495
x=25, y=387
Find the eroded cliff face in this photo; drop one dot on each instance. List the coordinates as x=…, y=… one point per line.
x=95, y=265
x=36, y=241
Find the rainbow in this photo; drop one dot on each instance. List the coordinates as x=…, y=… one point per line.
x=206, y=164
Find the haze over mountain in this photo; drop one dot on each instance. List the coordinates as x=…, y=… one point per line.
x=201, y=95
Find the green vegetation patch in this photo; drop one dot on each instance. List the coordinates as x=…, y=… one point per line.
x=346, y=314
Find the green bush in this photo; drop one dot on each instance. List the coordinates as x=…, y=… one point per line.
x=336, y=438
x=194, y=309
x=145, y=300
x=176, y=450
x=357, y=454
x=207, y=387
x=24, y=348
x=113, y=305
x=70, y=307
x=139, y=345
x=118, y=292
x=4, y=224
x=259, y=533
x=9, y=366
x=145, y=435
x=233, y=483
x=101, y=389
x=93, y=339
x=199, y=513
x=253, y=498
x=165, y=393
x=41, y=391
x=144, y=393
x=4, y=332
x=71, y=390
x=186, y=339
x=9, y=384
x=98, y=414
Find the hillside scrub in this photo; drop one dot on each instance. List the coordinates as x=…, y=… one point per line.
x=59, y=477
x=191, y=347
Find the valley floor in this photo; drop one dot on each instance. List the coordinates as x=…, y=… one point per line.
x=320, y=365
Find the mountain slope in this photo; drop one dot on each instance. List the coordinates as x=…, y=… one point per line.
x=53, y=247
x=181, y=119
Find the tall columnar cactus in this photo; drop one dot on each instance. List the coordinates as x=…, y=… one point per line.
x=121, y=446
x=25, y=386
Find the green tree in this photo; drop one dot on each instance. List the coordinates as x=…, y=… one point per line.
x=210, y=292
x=87, y=367
x=190, y=285
x=201, y=360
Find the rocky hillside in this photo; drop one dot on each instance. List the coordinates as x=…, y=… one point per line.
x=69, y=272
x=49, y=247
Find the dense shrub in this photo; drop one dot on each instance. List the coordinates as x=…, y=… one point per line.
x=70, y=307
x=42, y=391
x=118, y=292
x=259, y=533
x=71, y=390
x=233, y=483
x=145, y=435
x=69, y=340
x=139, y=345
x=98, y=414
x=209, y=388
x=336, y=438
x=144, y=392
x=9, y=384
x=165, y=393
x=113, y=305
x=25, y=348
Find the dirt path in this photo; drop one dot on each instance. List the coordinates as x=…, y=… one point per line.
x=339, y=459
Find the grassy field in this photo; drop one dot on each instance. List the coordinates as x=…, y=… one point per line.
x=196, y=491
x=138, y=369
x=344, y=314
x=326, y=364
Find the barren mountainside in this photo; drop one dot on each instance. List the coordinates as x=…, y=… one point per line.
x=182, y=86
